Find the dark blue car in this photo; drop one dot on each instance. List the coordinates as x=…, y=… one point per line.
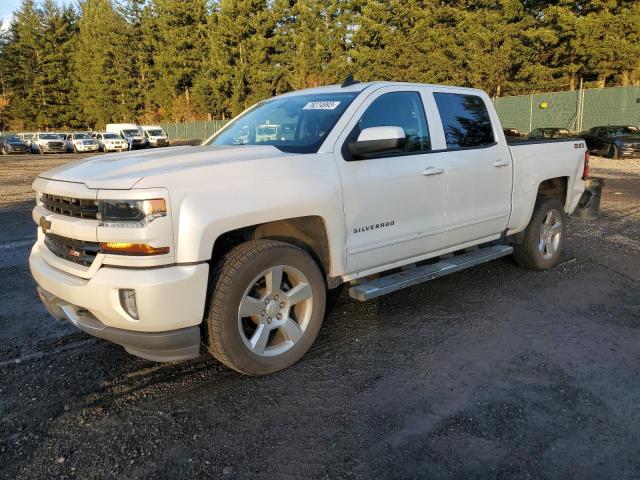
x=12, y=144
x=613, y=141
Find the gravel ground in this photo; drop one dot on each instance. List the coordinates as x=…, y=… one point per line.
x=496, y=372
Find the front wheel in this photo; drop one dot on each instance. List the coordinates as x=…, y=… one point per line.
x=267, y=306
x=613, y=152
x=543, y=240
x=4, y=150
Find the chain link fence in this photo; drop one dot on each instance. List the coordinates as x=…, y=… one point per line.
x=192, y=130
x=576, y=110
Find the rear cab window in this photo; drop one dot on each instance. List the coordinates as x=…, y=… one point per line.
x=465, y=120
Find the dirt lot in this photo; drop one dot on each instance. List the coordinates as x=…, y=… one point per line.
x=494, y=372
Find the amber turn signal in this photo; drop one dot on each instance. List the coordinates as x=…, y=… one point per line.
x=122, y=248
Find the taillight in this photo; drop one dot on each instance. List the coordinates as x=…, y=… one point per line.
x=585, y=171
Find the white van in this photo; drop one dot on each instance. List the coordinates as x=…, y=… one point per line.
x=155, y=135
x=130, y=132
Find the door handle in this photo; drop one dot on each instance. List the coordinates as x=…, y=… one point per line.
x=500, y=163
x=432, y=171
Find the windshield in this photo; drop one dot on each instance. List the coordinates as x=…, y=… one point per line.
x=12, y=138
x=78, y=136
x=155, y=133
x=623, y=132
x=298, y=123
x=110, y=136
x=130, y=132
x=49, y=136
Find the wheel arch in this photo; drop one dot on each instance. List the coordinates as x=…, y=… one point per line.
x=309, y=233
x=554, y=187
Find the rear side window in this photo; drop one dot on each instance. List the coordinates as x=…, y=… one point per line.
x=465, y=120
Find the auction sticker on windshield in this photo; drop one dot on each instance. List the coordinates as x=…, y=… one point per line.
x=326, y=105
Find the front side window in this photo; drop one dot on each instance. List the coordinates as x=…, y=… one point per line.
x=398, y=109
x=623, y=132
x=465, y=120
x=296, y=123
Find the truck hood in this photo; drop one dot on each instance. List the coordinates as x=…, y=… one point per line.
x=121, y=171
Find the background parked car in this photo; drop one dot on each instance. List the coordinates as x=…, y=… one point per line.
x=81, y=142
x=155, y=135
x=511, y=132
x=12, y=144
x=129, y=132
x=47, y=142
x=110, y=142
x=26, y=137
x=614, y=141
x=550, y=132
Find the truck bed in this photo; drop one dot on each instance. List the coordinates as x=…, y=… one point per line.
x=517, y=141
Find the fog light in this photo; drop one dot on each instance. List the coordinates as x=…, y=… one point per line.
x=128, y=302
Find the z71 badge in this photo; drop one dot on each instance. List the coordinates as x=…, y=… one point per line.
x=373, y=226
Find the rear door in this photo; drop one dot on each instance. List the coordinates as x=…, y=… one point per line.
x=394, y=203
x=478, y=167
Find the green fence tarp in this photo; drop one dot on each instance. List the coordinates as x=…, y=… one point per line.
x=601, y=106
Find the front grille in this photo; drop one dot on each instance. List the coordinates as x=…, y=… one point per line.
x=76, y=251
x=55, y=144
x=71, y=207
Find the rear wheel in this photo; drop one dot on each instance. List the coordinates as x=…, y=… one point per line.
x=613, y=152
x=266, y=308
x=543, y=240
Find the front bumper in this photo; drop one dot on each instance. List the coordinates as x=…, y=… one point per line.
x=171, y=346
x=630, y=152
x=170, y=304
x=16, y=148
x=87, y=148
x=53, y=149
x=116, y=148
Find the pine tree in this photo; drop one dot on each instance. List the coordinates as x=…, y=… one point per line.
x=21, y=67
x=180, y=26
x=101, y=65
x=239, y=70
x=58, y=31
x=312, y=40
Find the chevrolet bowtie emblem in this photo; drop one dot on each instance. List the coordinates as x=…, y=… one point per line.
x=45, y=224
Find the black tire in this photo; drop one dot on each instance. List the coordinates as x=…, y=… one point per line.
x=613, y=152
x=528, y=254
x=233, y=274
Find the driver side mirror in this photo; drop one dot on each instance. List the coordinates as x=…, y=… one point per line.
x=376, y=140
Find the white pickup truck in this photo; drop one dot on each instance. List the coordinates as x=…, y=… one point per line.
x=236, y=242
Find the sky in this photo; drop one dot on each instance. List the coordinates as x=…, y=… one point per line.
x=8, y=6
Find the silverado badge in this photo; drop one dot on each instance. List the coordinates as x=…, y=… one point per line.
x=45, y=224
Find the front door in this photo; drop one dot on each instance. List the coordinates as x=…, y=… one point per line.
x=394, y=203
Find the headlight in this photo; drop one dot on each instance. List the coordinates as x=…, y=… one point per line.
x=130, y=213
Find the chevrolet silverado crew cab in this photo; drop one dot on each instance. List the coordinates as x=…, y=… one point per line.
x=236, y=242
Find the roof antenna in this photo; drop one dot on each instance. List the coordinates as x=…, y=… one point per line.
x=349, y=81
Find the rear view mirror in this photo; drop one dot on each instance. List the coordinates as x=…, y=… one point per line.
x=376, y=140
